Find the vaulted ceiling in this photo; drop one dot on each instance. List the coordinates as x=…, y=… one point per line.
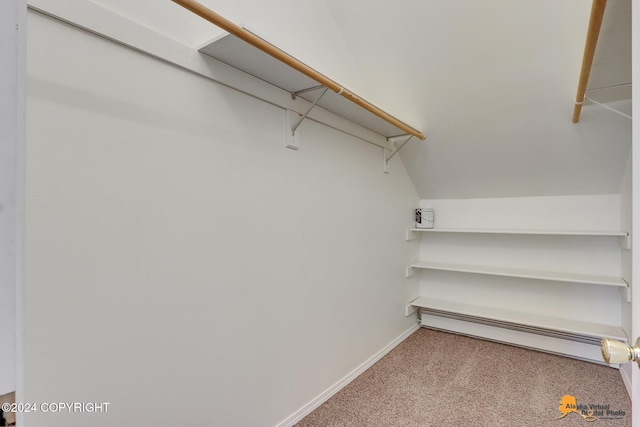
x=491, y=83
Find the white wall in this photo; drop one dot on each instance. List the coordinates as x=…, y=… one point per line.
x=582, y=254
x=183, y=265
x=12, y=49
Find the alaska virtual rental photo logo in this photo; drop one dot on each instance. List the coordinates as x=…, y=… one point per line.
x=589, y=412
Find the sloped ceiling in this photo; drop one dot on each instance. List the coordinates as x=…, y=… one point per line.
x=490, y=83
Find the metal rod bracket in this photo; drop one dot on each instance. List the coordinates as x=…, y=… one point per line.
x=297, y=93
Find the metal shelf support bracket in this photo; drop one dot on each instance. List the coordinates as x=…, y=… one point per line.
x=306, y=113
x=627, y=293
x=399, y=148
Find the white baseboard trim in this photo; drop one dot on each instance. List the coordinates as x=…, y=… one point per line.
x=327, y=394
x=626, y=379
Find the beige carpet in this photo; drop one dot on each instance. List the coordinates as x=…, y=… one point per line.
x=439, y=379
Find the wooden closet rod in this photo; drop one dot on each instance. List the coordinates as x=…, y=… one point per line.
x=292, y=62
x=595, y=22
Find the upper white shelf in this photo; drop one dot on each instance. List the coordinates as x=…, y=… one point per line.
x=534, y=232
x=245, y=57
x=626, y=243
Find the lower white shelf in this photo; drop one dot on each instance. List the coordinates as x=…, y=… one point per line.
x=536, y=323
x=523, y=232
x=520, y=272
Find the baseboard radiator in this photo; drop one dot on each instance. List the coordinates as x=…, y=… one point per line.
x=575, y=345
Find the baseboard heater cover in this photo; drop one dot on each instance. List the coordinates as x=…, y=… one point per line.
x=570, y=336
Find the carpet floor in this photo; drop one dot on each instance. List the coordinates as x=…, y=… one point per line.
x=439, y=379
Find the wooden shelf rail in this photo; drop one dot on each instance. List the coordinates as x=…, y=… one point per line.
x=294, y=63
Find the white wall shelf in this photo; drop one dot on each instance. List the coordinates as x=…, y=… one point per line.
x=535, y=232
x=519, y=272
x=569, y=326
x=542, y=330
x=414, y=233
x=245, y=57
